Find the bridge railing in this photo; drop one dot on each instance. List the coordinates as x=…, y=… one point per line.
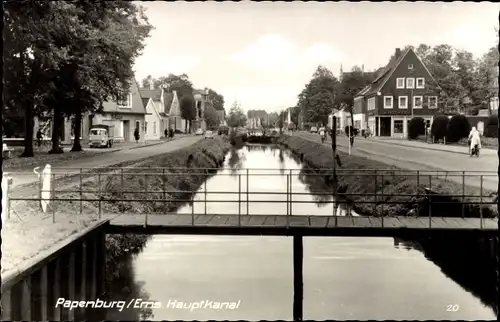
x=151, y=188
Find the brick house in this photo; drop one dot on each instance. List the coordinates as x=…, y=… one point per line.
x=403, y=89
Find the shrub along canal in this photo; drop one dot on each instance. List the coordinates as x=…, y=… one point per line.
x=344, y=278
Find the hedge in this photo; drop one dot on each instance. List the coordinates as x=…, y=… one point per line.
x=439, y=127
x=416, y=127
x=458, y=128
x=491, y=128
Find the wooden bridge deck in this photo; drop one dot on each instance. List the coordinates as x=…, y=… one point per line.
x=283, y=225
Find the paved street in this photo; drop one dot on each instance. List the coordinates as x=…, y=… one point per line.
x=108, y=159
x=418, y=158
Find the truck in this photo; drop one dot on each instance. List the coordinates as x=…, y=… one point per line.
x=101, y=136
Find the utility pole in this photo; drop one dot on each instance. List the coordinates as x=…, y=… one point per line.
x=334, y=148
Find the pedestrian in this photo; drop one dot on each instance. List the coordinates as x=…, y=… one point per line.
x=166, y=133
x=39, y=137
x=137, y=135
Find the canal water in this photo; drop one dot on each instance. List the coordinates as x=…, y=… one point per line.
x=344, y=278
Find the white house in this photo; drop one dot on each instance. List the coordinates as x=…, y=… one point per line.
x=153, y=121
x=343, y=119
x=177, y=123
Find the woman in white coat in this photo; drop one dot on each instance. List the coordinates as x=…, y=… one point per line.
x=474, y=139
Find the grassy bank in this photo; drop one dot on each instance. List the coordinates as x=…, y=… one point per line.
x=388, y=182
x=204, y=154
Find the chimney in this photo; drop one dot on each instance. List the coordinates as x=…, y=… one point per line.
x=151, y=84
x=398, y=52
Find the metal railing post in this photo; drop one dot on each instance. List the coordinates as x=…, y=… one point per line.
x=430, y=201
x=192, y=209
x=418, y=179
x=481, y=203
x=248, y=188
x=122, y=181
x=239, y=195
x=99, y=193
x=382, y=199
x=81, y=192
x=375, y=192
x=53, y=196
x=205, y=190
x=463, y=194
x=287, y=190
x=290, y=199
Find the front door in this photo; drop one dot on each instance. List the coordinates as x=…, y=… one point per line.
x=126, y=131
x=385, y=126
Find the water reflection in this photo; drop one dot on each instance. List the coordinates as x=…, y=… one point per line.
x=450, y=254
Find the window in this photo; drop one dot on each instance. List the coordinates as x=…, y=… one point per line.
x=137, y=125
x=146, y=127
x=371, y=104
x=420, y=82
x=154, y=128
x=432, y=101
x=400, y=82
x=388, y=101
x=125, y=102
x=410, y=83
x=357, y=124
x=410, y=66
x=398, y=126
x=403, y=101
x=417, y=102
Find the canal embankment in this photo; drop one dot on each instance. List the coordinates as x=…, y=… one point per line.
x=391, y=192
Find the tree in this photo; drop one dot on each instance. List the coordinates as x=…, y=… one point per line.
x=216, y=99
x=351, y=84
x=188, y=110
x=211, y=117
x=416, y=127
x=115, y=34
x=458, y=128
x=316, y=101
x=32, y=53
x=488, y=75
x=439, y=127
x=146, y=82
x=236, y=116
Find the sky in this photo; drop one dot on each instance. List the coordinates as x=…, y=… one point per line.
x=263, y=53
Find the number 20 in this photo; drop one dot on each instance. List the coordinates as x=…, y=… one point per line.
x=452, y=307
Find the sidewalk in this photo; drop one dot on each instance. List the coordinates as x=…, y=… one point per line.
x=429, y=146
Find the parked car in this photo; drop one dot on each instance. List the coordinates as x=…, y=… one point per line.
x=199, y=132
x=101, y=136
x=209, y=135
x=314, y=129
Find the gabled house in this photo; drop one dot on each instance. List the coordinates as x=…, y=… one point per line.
x=152, y=124
x=403, y=89
x=125, y=116
x=160, y=104
x=176, y=122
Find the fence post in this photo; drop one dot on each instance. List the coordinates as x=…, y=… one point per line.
x=382, y=199
x=418, y=180
x=99, y=191
x=430, y=201
x=248, y=187
x=146, y=202
x=239, y=195
x=481, y=202
x=375, y=192
x=205, y=189
x=290, y=199
x=287, y=189
x=53, y=197
x=192, y=208
x=121, y=181
x=81, y=192
x=463, y=194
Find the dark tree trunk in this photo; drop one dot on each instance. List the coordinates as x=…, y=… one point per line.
x=28, y=131
x=56, y=131
x=77, y=147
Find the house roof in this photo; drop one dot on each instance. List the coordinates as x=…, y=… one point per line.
x=155, y=94
x=383, y=74
x=145, y=101
x=167, y=100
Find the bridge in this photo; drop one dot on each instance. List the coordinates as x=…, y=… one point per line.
x=195, y=216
